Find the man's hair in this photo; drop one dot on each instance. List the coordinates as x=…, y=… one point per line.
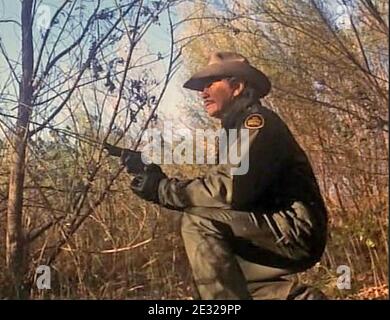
x=249, y=91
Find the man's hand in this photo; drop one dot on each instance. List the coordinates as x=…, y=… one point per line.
x=145, y=184
x=132, y=160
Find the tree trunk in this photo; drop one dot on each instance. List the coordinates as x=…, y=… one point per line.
x=15, y=245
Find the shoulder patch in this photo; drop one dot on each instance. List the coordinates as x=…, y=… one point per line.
x=254, y=121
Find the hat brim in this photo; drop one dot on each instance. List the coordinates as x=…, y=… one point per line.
x=230, y=69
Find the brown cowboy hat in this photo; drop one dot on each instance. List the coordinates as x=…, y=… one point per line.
x=229, y=64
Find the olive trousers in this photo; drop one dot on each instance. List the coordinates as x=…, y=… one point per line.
x=250, y=255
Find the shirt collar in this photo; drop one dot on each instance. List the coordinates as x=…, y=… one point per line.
x=234, y=117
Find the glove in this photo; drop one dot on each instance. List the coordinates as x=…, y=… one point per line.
x=145, y=185
x=132, y=160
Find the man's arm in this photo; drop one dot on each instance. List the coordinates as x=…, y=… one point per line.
x=213, y=190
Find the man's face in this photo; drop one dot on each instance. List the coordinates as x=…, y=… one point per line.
x=217, y=95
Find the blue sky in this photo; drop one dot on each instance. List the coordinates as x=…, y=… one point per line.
x=9, y=33
x=158, y=38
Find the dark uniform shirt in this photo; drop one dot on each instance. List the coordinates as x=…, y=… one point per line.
x=279, y=174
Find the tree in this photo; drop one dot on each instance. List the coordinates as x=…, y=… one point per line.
x=65, y=64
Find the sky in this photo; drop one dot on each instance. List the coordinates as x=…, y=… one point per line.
x=9, y=33
x=157, y=38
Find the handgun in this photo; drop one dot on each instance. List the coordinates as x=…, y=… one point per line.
x=130, y=158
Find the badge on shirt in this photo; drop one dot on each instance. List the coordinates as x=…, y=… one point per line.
x=254, y=121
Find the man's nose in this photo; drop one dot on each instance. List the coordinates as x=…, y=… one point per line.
x=205, y=93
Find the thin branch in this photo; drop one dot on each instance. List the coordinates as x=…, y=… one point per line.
x=86, y=64
x=5, y=55
x=46, y=36
x=11, y=21
x=68, y=49
x=170, y=66
x=114, y=250
x=376, y=14
x=126, y=69
x=367, y=74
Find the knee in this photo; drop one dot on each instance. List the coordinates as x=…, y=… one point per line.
x=190, y=226
x=193, y=233
x=187, y=223
x=193, y=226
x=303, y=292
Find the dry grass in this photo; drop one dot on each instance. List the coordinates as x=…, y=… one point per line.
x=129, y=249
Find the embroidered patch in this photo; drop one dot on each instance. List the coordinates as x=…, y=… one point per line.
x=254, y=121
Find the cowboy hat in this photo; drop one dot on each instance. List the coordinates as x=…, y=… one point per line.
x=229, y=64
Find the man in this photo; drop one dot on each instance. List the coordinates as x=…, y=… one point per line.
x=243, y=233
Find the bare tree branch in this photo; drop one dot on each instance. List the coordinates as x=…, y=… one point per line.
x=11, y=21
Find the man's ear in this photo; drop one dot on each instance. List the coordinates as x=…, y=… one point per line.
x=238, y=89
